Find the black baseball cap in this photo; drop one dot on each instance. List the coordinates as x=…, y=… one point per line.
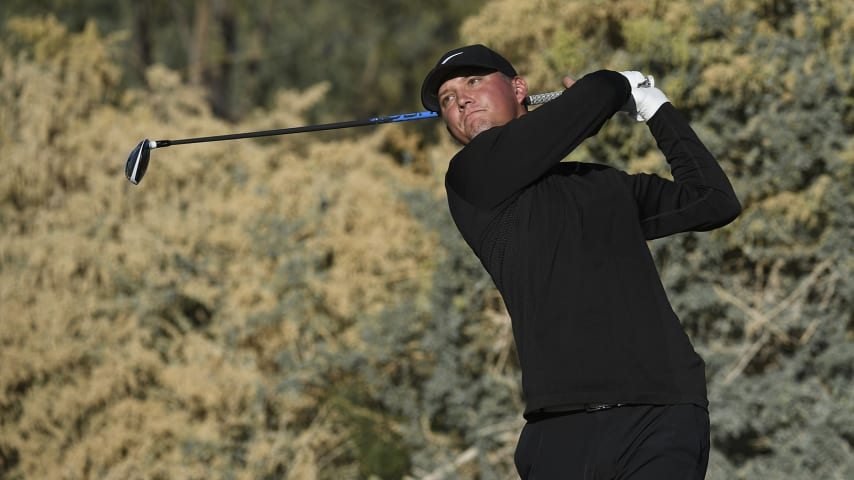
x=477, y=56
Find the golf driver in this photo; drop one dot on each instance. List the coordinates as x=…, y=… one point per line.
x=137, y=162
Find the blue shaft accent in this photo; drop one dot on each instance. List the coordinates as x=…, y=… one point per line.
x=404, y=117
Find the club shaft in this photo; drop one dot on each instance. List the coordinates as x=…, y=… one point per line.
x=404, y=117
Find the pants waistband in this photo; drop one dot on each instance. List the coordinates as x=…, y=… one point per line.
x=580, y=407
x=569, y=409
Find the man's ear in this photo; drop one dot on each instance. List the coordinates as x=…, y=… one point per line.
x=520, y=88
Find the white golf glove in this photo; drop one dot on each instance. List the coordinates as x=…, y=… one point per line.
x=645, y=99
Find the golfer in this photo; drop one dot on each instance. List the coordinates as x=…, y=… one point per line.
x=612, y=385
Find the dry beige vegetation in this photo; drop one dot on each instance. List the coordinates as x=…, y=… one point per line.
x=301, y=307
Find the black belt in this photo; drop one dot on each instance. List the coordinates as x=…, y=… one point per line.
x=579, y=407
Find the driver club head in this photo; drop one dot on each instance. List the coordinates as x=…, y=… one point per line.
x=138, y=162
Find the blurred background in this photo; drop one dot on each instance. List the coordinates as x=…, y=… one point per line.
x=302, y=307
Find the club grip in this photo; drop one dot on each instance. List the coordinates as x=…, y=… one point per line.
x=541, y=98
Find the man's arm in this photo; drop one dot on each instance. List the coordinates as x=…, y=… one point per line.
x=699, y=198
x=501, y=161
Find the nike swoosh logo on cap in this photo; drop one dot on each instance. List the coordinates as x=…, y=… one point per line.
x=449, y=57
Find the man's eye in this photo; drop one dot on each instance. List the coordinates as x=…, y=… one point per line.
x=474, y=80
x=444, y=101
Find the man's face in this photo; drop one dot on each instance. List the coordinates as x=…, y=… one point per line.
x=474, y=102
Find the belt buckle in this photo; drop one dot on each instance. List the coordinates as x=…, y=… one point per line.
x=597, y=407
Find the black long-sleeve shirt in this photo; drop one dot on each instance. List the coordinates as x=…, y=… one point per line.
x=565, y=244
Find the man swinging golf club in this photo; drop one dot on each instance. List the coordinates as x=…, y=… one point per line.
x=612, y=385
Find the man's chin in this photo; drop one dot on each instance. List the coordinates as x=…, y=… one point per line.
x=478, y=128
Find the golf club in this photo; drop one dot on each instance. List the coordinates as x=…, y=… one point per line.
x=137, y=162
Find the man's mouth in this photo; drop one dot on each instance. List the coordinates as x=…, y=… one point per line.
x=471, y=115
x=474, y=112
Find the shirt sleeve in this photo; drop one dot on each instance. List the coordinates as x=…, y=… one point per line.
x=503, y=160
x=699, y=198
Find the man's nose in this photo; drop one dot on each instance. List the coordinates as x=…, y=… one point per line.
x=463, y=99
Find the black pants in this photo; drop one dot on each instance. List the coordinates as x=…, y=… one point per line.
x=629, y=442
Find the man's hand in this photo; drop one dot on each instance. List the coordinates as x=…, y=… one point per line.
x=645, y=99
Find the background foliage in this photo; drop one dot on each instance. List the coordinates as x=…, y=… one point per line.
x=302, y=307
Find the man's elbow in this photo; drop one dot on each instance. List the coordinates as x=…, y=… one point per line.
x=728, y=208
